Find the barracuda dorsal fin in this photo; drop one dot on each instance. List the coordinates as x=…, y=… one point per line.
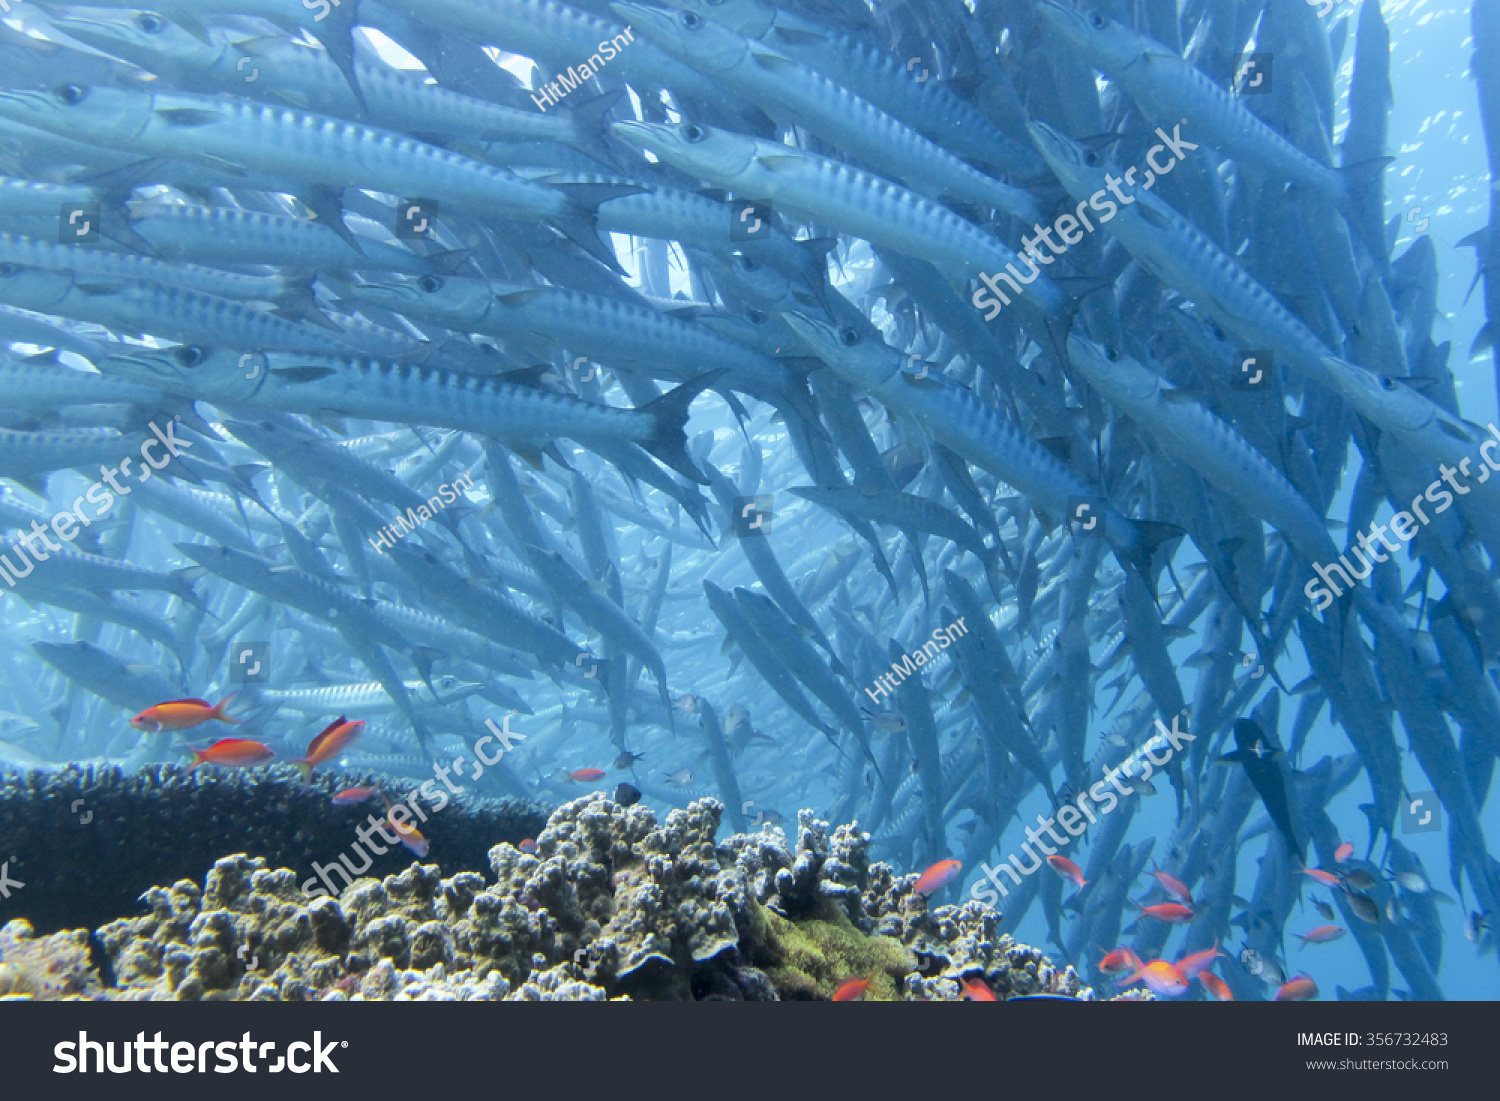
x=189, y=116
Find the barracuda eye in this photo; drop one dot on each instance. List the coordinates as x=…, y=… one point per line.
x=848, y=338
x=755, y=316
x=189, y=355
x=692, y=133
x=150, y=22
x=744, y=263
x=1091, y=158
x=1111, y=355
x=1388, y=383
x=70, y=94
x=1097, y=21
x=690, y=19
x=430, y=284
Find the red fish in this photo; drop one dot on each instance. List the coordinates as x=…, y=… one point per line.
x=336, y=737
x=1173, y=886
x=1300, y=989
x=1321, y=935
x=977, y=990
x=1068, y=870
x=182, y=714
x=1193, y=965
x=1328, y=879
x=1120, y=961
x=1171, y=912
x=528, y=846
x=1344, y=851
x=852, y=991
x=232, y=753
x=1216, y=986
x=938, y=876
x=587, y=775
x=355, y=795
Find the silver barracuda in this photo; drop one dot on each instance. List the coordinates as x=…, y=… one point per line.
x=410, y=393
x=856, y=202
x=1169, y=89
x=802, y=96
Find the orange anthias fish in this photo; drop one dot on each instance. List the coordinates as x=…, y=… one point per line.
x=410, y=836
x=852, y=991
x=336, y=737
x=1328, y=879
x=1300, y=989
x=1192, y=966
x=1120, y=961
x=1321, y=935
x=182, y=714
x=1173, y=886
x=355, y=795
x=528, y=846
x=1161, y=977
x=1344, y=851
x=1216, y=986
x=977, y=990
x=1173, y=913
x=232, y=753
x=1068, y=870
x=938, y=876
x=587, y=775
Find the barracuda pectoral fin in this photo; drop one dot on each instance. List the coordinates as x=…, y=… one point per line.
x=796, y=36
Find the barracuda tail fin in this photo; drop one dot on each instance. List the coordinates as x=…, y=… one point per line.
x=668, y=441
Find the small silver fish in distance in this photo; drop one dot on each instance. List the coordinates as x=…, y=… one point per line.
x=682, y=777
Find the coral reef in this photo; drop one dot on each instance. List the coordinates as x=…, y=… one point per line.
x=88, y=842
x=613, y=905
x=47, y=968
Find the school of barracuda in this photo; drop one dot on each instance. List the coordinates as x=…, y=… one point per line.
x=631, y=374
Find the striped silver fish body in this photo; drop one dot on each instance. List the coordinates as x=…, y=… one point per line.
x=1169, y=89
x=26, y=453
x=838, y=194
x=1177, y=253
x=36, y=386
x=379, y=390
x=1192, y=434
x=797, y=94
x=225, y=235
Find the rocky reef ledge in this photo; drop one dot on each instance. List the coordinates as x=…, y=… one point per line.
x=613, y=905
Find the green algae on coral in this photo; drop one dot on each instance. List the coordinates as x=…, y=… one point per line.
x=812, y=958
